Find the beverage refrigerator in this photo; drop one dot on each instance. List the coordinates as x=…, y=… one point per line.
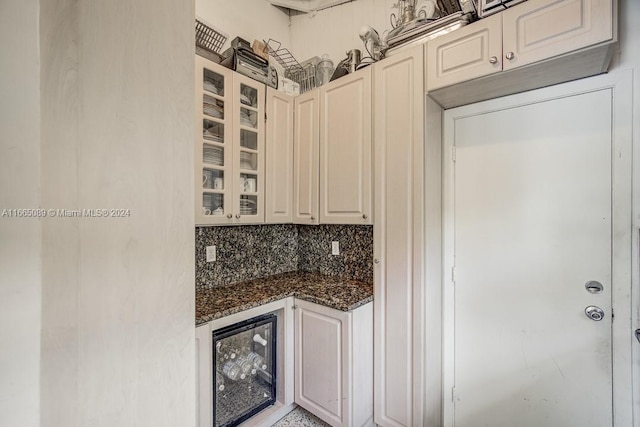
x=244, y=362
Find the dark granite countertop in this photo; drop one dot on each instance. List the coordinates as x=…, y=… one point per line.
x=345, y=295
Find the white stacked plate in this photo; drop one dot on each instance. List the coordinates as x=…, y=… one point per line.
x=245, y=100
x=247, y=207
x=212, y=110
x=211, y=136
x=211, y=107
x=245, y=119
x=246, y=160
x=210, y=87
x=213, y=155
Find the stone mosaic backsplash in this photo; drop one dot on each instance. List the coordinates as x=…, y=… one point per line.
x=254, y=251
x=245, y=253
x=356, y=250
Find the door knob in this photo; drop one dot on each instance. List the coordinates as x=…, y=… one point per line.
x=238, y=216
x=594, y=313
x=510, y=56
x=229, y=216
x=594, y=287
x=493, y=60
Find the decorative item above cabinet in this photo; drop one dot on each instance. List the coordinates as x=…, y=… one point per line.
x=534, y=44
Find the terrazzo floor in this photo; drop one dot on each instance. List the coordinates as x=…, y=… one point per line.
x=300, y=418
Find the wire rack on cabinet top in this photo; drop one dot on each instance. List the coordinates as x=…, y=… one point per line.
x=304, y=74
x=209, y=38
x=283, y=57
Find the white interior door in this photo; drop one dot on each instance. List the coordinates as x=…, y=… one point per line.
x=532, y=221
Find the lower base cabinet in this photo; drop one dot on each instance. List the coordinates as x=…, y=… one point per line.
x=325, y=363
x=334, y=363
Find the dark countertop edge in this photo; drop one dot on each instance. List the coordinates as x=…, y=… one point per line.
x=292, y=293
x=310, y=298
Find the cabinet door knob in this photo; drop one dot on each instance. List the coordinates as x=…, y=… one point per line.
x=364, y=216
x=376, y=261
x=493, y=60
x=510, y=56
x=238, y=216
x=229, y=216
x=312, y=218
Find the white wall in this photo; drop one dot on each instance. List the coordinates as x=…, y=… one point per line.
x=19, y=238
x=118, y=293
x=336, y=30
x=249, y=19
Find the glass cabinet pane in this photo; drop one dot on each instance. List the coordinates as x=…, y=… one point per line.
x=212, y=107
x=248, y=118
x=213, y=82
x=213, y=155
x=249, y=96
x=248, y=205
x=212, y=204
x=213, y=131
x=248, y=139
x=248, y=160
x=248, y=183
x=213, y=179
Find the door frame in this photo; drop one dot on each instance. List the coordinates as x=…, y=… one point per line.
x=620, y=83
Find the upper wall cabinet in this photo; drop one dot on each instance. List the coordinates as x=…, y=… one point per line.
x=346, y=150
x=542, y=29
x=306, y=154
x=229, y=146
x=470, y=52
x=525, y=47
x=279, y=152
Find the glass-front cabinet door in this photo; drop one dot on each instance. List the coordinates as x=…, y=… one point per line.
x=230, y=122
x=214, y=143
x=249, y=157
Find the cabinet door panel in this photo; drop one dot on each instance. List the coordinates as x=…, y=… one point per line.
x=345, y=150
x=398, y=240
x=321, y=355
x=213, y=144
x=540, y=29
x=279, y=151
x=465, y=54
x=306, y=154
x=249, y=153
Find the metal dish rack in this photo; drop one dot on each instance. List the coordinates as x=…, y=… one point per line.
x=209, y=38
x=304, y=74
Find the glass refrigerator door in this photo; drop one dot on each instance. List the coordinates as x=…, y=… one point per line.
x=245, y=370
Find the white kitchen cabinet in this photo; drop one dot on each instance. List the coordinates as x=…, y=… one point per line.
x=533, y=44
x=470, y=52
x=306, y=155
x=334, y=363
x=541, y=29
x=279, y=158
x=406, y=237
x=346, y=150
x=229, y=153
x=204, y=376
